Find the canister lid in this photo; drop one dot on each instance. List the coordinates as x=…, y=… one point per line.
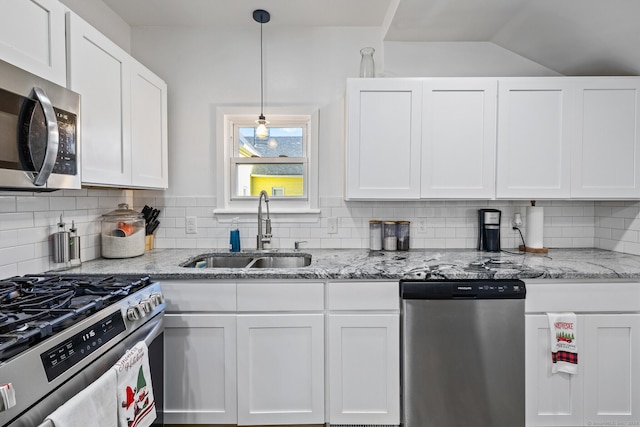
x=375, y=221
x=123, y=212
x=390, y=222
x=404, y=222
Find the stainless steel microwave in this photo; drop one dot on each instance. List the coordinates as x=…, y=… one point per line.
x=39, y=133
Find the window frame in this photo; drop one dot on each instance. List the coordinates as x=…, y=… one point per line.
x=235, y=123
x=295, y=207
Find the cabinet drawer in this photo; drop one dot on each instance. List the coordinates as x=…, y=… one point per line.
x=582, y=297
x=185, y=296
x=297, y=296
x=363, y=296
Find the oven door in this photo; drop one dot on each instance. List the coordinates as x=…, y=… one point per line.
x=152, y=332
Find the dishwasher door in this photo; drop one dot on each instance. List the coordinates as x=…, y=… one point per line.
x=463, y=358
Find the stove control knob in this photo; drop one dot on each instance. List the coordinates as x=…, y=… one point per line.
x=142, y=309
x=158, y=297
x=132, y=313
x=149, y=304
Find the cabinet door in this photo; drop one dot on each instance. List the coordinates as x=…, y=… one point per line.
x=32, y=37
x=611, y=374
x=100, y=72
x=551, y=399
x=280, y=369
x=148, y=129
x=534, y=138
x=459, y=138
x=606, y=150
x=200, y=369
x=364, y=369
x=383, y=139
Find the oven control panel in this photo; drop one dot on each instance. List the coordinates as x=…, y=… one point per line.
x=73, y=350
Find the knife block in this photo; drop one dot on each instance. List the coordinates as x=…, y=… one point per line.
x=148, y=242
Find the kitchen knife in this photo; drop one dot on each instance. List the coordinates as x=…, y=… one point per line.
x=152, y=226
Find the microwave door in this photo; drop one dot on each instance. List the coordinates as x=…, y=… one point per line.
x=41, y=138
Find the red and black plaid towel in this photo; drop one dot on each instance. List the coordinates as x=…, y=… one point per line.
x=564, y=356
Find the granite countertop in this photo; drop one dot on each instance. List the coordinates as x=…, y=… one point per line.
x=354, y=264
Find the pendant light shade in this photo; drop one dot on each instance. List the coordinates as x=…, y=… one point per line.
x=262, y=131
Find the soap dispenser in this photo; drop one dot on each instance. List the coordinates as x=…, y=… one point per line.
x=234, y=236
x=60, y=239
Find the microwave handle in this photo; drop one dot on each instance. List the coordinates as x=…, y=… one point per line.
x=53, y=138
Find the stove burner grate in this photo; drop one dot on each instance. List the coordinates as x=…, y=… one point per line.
x=38, y=306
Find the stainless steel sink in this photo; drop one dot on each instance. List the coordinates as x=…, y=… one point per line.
x=248, y=260
x=280, y=261
x=215, y=261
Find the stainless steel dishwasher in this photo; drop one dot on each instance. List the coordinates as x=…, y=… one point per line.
x=463, y=353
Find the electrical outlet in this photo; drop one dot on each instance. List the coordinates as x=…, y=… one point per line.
x=192, y=225
x=422, y=225
x=332, y=223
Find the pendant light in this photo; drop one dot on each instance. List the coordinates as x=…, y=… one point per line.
x=262, y=132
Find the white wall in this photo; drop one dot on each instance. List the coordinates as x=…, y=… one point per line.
x=205, y=68
x=459, y=59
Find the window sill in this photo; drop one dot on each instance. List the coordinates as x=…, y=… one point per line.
x=277, y=215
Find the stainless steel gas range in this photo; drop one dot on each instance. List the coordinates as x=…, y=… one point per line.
x=60, y=333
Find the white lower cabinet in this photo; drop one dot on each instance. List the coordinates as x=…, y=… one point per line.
x=260, y=353
x=363, y=377
x=200, y=352
x=605, y=389
x=364, y=353
x=280, y=345
x=200, y=374
x=280, y=369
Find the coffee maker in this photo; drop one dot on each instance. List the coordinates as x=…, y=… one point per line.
x=489, y=230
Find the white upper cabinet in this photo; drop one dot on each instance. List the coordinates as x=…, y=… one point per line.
x=98, y=71
x=459, y=138
x=534, y=138
x=606, y=153
x=124, y=112
x=484, y=138
x=383, y=134
x=32, y=37
x=149, y=149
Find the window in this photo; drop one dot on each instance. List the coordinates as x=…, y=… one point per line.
x=284, y=164
x=277, y=164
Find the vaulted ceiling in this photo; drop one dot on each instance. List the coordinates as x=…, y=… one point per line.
x=572, y=37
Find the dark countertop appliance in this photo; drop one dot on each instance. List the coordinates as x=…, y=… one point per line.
x=489, y=230
x=58, y=334
x=462, y=350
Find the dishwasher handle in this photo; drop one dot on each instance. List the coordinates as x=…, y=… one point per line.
x=463, y=289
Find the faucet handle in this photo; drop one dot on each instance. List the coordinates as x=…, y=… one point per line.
x=296, y=244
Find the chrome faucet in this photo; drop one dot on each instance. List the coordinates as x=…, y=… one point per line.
x=266, y=237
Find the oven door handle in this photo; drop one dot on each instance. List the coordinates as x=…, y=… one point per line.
x=53, y=138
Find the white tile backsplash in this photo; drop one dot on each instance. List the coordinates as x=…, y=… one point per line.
x=27, y=221
x=449, y=224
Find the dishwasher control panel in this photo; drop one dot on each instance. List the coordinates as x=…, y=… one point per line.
x=463, y=289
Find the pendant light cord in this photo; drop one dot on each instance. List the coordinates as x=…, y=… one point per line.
x=261, y=74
